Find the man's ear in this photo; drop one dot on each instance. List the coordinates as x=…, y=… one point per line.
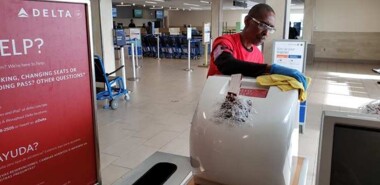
x=246, y=20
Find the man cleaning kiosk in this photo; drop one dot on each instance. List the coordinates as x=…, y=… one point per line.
x=238, y=53
x=243, y=132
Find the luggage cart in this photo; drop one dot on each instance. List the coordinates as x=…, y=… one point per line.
x=114, y=86
x=172, y=46
x=167, y=45
x=194, y=48
x=177, y=46
x=145, y=46
x=153, y=46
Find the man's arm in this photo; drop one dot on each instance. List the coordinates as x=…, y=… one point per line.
x=228, y=65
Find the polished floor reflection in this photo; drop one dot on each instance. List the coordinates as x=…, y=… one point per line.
x=163, y=101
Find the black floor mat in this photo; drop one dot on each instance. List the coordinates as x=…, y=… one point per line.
x=157, y=175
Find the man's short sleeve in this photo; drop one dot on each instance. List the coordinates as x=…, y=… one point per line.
x=222, y=44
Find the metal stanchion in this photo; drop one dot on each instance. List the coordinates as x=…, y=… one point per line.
x=188, y=57
x=117, y=57
x=205, y=64
x=137, y=55
x=158, y=47
x=134, y=78
x=122, y=63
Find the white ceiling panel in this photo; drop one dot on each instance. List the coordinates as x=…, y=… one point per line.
x=183, y=4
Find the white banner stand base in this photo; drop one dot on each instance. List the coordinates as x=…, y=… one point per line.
x=203, y=65
x=133, y=79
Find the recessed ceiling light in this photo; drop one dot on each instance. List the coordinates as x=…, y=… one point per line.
x=150, y=2
x=133, y=4
x=122, y=4
x=206, y=2
x=144, y=5
x=188, y=4
x=153, y=6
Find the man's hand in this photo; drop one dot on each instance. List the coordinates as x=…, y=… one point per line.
x=278, y=69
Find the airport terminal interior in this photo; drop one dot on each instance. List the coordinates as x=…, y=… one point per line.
x=161, y=101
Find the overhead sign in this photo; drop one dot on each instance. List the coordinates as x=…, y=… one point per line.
x=46, y=99
x=188, y=33
x=206, y=32
x=290, y=53
x=174, y=31
x=120, y=37
x=239, y=3
x=135, y=33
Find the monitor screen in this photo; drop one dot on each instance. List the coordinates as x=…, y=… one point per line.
x=356, y=155
x=137, y=13
x=159, y=14
x=349, y=149
x=114, y=12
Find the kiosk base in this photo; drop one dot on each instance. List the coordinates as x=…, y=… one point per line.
x=203, y=65
x=299, y=173
x=183, y=175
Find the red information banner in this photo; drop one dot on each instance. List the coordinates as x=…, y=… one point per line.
x=46, y=105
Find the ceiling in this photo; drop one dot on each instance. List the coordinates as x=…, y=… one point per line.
x=184, y=4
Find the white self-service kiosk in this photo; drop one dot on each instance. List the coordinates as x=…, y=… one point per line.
x=257, y=150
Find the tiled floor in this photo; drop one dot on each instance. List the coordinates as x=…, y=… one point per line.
x=158, y=115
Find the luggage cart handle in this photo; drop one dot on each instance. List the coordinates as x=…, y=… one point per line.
x=115, y=70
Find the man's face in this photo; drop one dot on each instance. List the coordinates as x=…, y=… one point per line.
x=257, y=28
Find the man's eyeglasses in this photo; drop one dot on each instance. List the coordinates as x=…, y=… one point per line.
x=264, y=26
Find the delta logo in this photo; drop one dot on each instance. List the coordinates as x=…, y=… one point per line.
x=47, y=13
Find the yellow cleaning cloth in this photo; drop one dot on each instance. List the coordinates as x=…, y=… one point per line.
x=285, y=83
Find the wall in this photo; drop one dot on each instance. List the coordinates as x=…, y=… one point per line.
x=279, y=7
x=348, y=15
x=179, y=18
x=96, y=33
x=347, y=45
x=125, y=14
x=198, y=17
x=347, y=29
x=233, y=16
x=138, y=22
x=296, y=10
x=308, y=21
x=216, y=28
x=107, y=34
